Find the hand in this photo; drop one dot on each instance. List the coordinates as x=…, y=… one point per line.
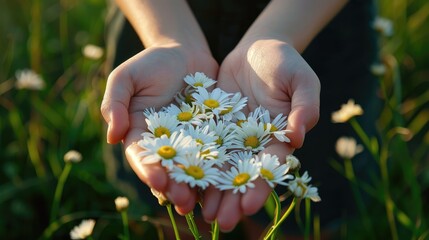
x=151, y=79
x=270, y=73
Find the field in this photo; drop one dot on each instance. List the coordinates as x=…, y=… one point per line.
x=64, y=44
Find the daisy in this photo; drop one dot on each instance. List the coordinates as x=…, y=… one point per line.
x=93, y=52
x=347, y=147
x=195, y=171
x=237, y=103
x=300, y=188
x=205, y=140
x=293, y=162
x=223, y=132
x=165, y=149
x=384, y=26
x=121, y=203
x=238, y=156
x=272, y=171
x=28, y=79
x=251, y=136
x=199, y=80
x=346, y=112
x=213, y=102
x=161, y=123
x=186, y=114
x=220, y=158
x=276, y=126
x=83, y=230
x=239, y=177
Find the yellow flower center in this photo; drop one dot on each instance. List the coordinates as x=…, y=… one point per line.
x=195, y=172
x=227, y=110
x=199, y=141
x=167, y=152
x=251, y=141
x=189, y=99
x=240, y=179
x=198, y=84
x=211, y=103
x=159, y=131
x=206, y=152
x=219, y=141
x=184, y=116
x=267, y=174
x=272, y=128
x=239, y=122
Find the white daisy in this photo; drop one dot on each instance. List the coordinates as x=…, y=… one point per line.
x=149, y=111
x=346, y=112
x=83, y=230
x=251, y=135
x=186, y=114
x=28, y=79
x=220, y=158
x=293, y=162
x=276, y=126
x=239, y=177
x=205, y=140
x=195, y=171
x=199, y=80
x=121, y=203
x=165, y=149
x=237, y=103
x=300, y=188
x=347, y=147
x=161, y=123
x=223, y=132
x=238, y=156
x=272, y=171
x=212, y=102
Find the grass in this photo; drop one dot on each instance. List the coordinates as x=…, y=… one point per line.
x=38, y=127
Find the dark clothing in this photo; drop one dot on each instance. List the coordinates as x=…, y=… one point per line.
x=341, y=56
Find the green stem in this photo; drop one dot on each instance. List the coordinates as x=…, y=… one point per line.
x=125, y=225
x=215, y=230
x=277, y=212
x=282, y=219
x=307, y=218
x=173, y=221
x=192, y=225
x=59, y=191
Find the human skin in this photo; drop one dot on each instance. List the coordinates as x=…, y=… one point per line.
x=265, y=66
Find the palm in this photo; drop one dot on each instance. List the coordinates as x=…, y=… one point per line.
x=150, y=79
x=273, y=75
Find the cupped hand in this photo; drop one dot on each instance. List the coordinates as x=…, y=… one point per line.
x=272, y=74
x=151, y=79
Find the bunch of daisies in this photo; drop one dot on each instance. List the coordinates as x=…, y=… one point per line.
x=205, y=131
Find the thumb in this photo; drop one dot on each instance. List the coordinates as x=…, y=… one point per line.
x=114, y=108
x=305, y=106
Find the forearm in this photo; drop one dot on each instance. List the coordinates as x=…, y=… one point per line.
x=163, y=21
x=296, y=22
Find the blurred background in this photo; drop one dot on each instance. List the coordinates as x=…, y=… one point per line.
x=53, y=68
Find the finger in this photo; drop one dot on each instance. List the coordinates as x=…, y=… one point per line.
x=212, y=198
x=305, y=105
x=153, y=175
x=253, y=200
x=229, y=213
x=114, y=106
x=182, y=196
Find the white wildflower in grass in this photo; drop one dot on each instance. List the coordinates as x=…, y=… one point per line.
x=161, y=123
x=199, y=80
x=347, y=112
x=301, y=189
x=237, y=104
x=347, y=147
x=272, y=171
x=195, y=171
x=83, y=230
x=165, y=149
x=276, y=126
x=223, y=132
x=73, y=156
x=92, y=52
x=378, y=69
x=240, y=177
x=212, y=102
x=251, y=136
x=28, y=79
x=384, y=26
x=121, y=203
x=186, y=114
x=293, y=162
